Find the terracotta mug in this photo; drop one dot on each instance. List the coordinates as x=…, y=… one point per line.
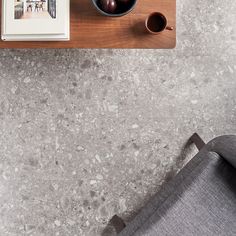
x=156, y=22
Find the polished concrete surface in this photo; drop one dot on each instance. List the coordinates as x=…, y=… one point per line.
x=85, y=134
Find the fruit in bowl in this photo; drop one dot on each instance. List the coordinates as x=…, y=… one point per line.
x=124, y=1
x=108, y=6
x=114, y=7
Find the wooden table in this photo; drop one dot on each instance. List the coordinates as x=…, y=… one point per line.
x=89, y=29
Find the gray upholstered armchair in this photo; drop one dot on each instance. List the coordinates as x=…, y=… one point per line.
x=199, y=201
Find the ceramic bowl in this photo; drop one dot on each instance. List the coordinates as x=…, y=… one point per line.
x=121, y=11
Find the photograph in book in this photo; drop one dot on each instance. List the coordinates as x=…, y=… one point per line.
x=35, y=9
x=35, y=20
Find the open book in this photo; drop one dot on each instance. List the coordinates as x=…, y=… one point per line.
x=35, y=20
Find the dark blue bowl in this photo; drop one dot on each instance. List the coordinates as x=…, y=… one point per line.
x=121, y=11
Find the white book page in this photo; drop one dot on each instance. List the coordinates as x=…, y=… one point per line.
x=36, y=25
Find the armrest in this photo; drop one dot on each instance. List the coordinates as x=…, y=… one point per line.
x=225, y=146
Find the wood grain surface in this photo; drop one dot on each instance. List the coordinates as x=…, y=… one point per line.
x=89, y=29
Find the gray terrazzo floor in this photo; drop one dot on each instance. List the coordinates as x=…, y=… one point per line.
x=85, y=134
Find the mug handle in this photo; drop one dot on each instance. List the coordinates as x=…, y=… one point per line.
x=169, y=27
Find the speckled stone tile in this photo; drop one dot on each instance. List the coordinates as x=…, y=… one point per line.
x=85, y=134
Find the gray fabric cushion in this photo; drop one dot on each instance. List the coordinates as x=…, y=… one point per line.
x=225, y=146
x=201, y=200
